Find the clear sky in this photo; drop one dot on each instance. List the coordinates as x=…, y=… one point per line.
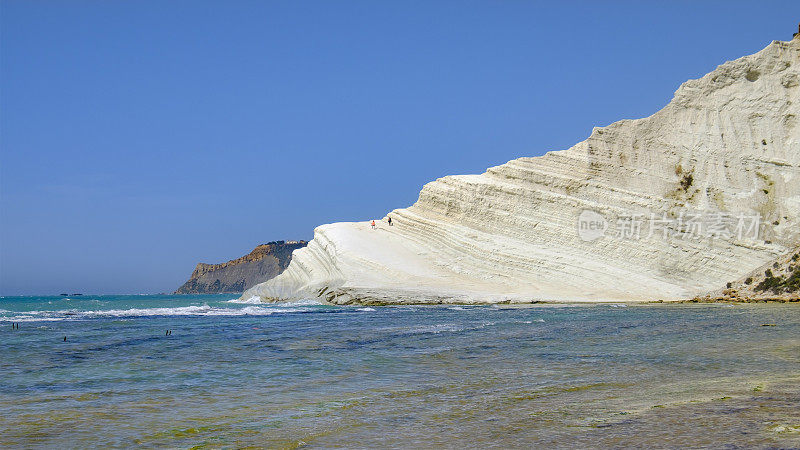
x=139, y=137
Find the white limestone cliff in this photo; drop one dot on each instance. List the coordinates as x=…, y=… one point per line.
x=727, y=143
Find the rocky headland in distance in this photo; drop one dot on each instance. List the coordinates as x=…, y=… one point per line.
x=265, y=262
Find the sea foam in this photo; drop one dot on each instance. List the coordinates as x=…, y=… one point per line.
x=204, y=310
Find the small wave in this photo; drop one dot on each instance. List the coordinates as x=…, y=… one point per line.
x=178, y=311
x=423, y=329
x=254, y=300
x=30, y=319
x=366, y=309
x=435, y=329
x=204, y=310
x=303, y=302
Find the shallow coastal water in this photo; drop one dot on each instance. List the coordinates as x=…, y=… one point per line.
x=233, y=375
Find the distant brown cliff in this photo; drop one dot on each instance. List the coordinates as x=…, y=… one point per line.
x=263, y=263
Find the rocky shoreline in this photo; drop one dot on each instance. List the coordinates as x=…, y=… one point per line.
x=775, y=282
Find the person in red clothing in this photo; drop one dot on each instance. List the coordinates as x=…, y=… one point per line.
x=373, y=224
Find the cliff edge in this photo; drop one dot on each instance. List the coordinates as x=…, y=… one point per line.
x=265, y=262
x=666, y=207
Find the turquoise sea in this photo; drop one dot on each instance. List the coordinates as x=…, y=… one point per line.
x=234, y=375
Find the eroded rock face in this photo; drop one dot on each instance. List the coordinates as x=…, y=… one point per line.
x=725, y=149
x=265, y=262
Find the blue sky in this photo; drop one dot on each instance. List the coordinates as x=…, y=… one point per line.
x=138, y=138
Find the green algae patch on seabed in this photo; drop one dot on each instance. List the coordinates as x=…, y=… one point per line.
x=767, y=418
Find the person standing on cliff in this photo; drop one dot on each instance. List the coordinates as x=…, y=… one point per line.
x=390, y=221
x=373, y=224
